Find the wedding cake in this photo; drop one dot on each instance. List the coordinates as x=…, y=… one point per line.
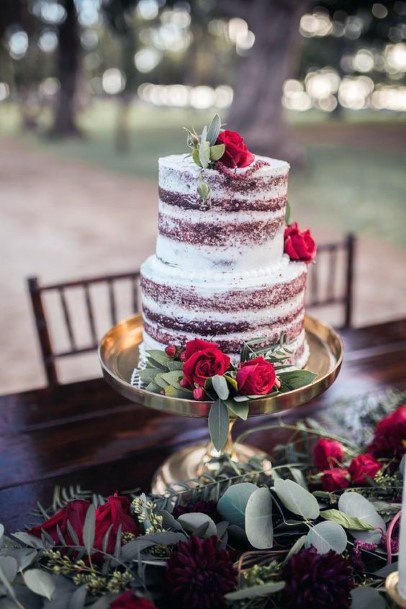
x=222, y=270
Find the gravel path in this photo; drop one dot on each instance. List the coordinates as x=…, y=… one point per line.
x=61, y=220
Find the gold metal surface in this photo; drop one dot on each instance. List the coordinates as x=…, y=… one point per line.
x=189, y=462
x=118, y=353
x=391, y=587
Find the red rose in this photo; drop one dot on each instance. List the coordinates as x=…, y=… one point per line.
x=127, y=600
x=299, y=245
x=327, y=453
x=75, y=512
x=362, y=466
x=204, y=363
x=335, y=479
x=390, y=436
x=197, y=344
x=256, y=377
x=236, y=153
x=113, y=513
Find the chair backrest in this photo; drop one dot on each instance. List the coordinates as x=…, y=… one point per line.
x=79, y=324
x=331, y=278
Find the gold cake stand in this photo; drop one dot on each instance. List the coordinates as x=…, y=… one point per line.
x=119, y=355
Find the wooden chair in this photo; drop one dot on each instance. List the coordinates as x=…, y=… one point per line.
x=83, y=296
x=324, y=285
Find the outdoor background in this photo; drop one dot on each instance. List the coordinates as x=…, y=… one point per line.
x=92, y=92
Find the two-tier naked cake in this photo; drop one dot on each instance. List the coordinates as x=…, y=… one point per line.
x=220, y=271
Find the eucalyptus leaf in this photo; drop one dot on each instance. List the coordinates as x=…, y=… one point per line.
x=78, y=598
x=364, y=597
x=297, y=499
x=172, y=377
x=326, y=536
x=232, y=504
x=258, y=519
x=220, y=386
x=218, y=424
x=216, y=152
x=9, y=566
x=213, y=130
x=348, y=522
x=1, y=534
x=195, y=520
x=29, y=540
x=258, y=591
x=287, y=213
x=89, y=528
x=297, y=546
x=238, y=409
x=153, y=387
x=181, y=392
x=40, y=582
x=357, y=506
x=195, y=156
x=158, y=380
x=387, y=570
x=204, y=149
x=147, y=375
x=158, y=357
x=294, y=379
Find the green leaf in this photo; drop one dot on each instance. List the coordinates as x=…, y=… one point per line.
x=195, y=156
x=173, y=377
x=153, y=387
x=218, y=424
x=29, y=540
x=354, y=504
x=89, y=528
x=238, y=409
x=295, y=379
x=158, y=357
x=231, y=382
x=297, y=499
x=173, y=364
x=203, y=191
x=258, y=519
x=9, y=567
x=256, y=591
x=220, y=386
x=231, y=505
x=287, y=213
x=158, y=380
x=78, y=598
x=214, y=130
x=204, y=149
x=348, y=522
x=367, y=598
x=182, y=392
x=40, y=582
x=194, y=521
x=216, y=152
x=326, y=536
x=147, y=375
x=297, y=546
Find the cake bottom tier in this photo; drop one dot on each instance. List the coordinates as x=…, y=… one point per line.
x=226, y=308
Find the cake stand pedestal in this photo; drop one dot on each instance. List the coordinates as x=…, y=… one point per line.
x=119, y=354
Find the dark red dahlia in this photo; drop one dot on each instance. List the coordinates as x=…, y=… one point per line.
x=199, y=574
x=204, y=507
x=317, y=581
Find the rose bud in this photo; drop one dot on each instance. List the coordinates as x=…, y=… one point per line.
x=171, y=351
x=198, y=393
x=335, y=479
x=184, y=382
x=363, y=467
x=327, y=453
x=277, y=383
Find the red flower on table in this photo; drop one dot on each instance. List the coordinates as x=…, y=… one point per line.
x=202, y=361
x=327, y=453
x=299, y=245
x=390, y=436
x=127, y=600
x=236, y=153
x=335, y=479
x=113, y=514
x=362, y=467
x=256, y=377
x=75, y=513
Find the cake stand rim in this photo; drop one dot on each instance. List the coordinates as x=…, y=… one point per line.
x=192, y=408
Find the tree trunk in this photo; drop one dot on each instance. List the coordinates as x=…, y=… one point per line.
x=67, y=72
x=257, y=108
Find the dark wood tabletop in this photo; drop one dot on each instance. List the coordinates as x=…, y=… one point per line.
x=84, y=433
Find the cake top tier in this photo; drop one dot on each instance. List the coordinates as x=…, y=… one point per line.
x=261, y=166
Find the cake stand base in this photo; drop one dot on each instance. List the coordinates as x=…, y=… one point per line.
x=193, y=461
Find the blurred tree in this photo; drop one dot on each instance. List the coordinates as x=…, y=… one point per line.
x=68, y=64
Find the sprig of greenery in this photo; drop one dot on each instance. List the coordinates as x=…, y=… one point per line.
x=205, y=152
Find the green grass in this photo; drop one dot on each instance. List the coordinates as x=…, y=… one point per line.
x=345, y=187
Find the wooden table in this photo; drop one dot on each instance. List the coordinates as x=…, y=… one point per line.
x=84, y=433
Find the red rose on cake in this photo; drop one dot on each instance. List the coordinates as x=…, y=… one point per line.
x=299, y=245
x=202, y=360
x=236, y=153
x=256, y=377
